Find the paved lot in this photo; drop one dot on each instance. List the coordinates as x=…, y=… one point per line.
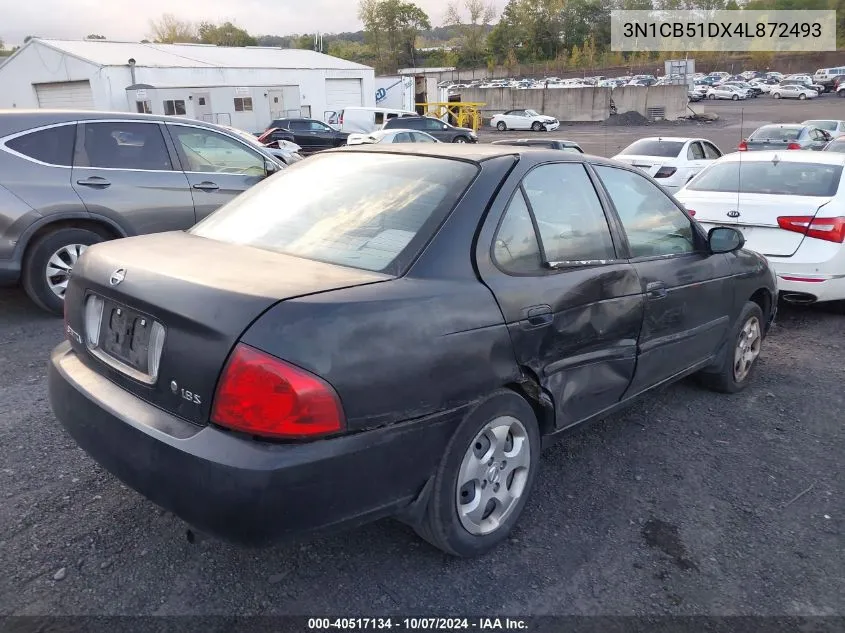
x=689, y=503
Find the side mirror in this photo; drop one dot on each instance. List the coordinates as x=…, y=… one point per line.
x=724, y=239
x=270, y=167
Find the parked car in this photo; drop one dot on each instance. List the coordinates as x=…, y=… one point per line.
x=129, y=174
x=270, y=385
x=833, y=127
x=750, y=89
x=839, y=86
x=440, y=130
x=286, y=151
x=671, y=161
x=548, y=143
x=791, y=208
x=826, y=76
x=833, y=83
x=311, y=135
x=792, y=91
x=815, y=88
x=524, y=120
x=365, y=120
x=836, y=145
x=723, y=91
x=764, y=85
x=785, y=136
x=391, y=136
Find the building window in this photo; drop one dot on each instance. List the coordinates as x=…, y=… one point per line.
x=243, y=104
x=144, y=107
x=174, y=107
x=201, y=100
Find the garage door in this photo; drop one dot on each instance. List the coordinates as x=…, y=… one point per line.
x=66, y=95
x=342, y=93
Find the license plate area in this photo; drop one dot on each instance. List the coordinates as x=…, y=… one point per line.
x=125, y=336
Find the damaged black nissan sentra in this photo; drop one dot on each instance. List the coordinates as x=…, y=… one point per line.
x=395, y=332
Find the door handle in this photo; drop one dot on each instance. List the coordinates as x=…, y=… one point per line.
x=94, y=181
x=656, y=290
x=538, y=316
x=206, y=186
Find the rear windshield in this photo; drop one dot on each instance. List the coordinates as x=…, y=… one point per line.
x=362, y=210
x=775, y=134
x=779, y=178
x=646, y=147
x=830, y=126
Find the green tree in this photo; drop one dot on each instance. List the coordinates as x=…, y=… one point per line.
x=226, y=34
x=169, y=29
x=391, y=28
x=473, y=29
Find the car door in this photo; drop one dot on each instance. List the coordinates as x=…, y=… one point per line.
x=572, y=306
x=689, y=297
x=324, y=135
x=818, y=139
x=127, y=171
x=218, y=167
x=438, y=130
x=695, y=160
x=421, y=137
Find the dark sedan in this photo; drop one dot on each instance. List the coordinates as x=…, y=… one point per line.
x=443, y=132
x=311, y=135
x=548, y=143
x=401, y=338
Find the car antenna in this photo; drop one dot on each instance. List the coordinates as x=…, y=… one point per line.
x=739, y=169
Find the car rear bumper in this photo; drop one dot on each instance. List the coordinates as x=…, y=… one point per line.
x=235, y=487
x=808, y=281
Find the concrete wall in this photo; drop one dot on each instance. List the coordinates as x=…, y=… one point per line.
x=580, y=104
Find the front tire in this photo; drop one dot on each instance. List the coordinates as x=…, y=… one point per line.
x=737, y=368
x=802, y=96
x=536, y=126
x=776, y=95
x=48, y=264
x=501, y=126
x=711, y=96
x=485, y=477
x=735, y=98
x=460, y=139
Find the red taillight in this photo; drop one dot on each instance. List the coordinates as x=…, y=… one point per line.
x=691, y=212
x=793, y=146
x=743, y=146
x=665, y=172
x=829, y=229
x=262, y=395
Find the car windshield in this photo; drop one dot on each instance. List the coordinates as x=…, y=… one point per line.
x=532, y=113
x=775, y=134
x=830, y=126
x=770, y=177
x=654, y=147
x=355, y=209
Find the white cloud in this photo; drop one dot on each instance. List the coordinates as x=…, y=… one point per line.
x=117, y=21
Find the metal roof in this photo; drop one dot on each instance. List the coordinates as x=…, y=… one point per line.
x=109, y=53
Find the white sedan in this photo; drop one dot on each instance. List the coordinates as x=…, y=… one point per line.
x=790, y=206
x=524, y=120
x=793, y=91
x=390, y=136
x=726, y=92
x=671, y=161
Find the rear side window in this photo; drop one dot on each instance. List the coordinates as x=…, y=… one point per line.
x=374, y=213
x=53, y=145
x=516, y=249
x=785, y=178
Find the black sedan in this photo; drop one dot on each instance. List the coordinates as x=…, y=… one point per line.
x=442, y=131
x=311, y=135
x=401, y=338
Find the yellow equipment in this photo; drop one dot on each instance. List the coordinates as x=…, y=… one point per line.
x=465, y=114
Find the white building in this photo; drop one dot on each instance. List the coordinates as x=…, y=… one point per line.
x=243, y=87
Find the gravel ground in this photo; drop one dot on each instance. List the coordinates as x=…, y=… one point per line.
x=688, y=503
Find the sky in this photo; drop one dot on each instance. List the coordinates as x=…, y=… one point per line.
x=74, y=19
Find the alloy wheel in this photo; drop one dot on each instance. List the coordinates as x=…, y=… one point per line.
x=493, y=475
x=60, y=266
x=747, y=348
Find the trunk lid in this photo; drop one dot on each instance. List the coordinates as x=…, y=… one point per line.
x=649, y=164
x=757, y=219
x=770, y=144
x=203, y=292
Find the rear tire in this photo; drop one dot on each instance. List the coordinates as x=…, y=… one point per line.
x=735, y=98
x=501, y=126
x=62, y=246
x=776, y=95
x=449, y=516
x=711, y=96
x=737, y=368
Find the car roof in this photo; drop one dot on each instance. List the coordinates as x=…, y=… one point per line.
x=477, y=152
x=16, y=120
x=793, y=156
x=679, y=139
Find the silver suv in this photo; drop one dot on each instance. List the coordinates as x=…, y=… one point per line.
x=71, y=179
